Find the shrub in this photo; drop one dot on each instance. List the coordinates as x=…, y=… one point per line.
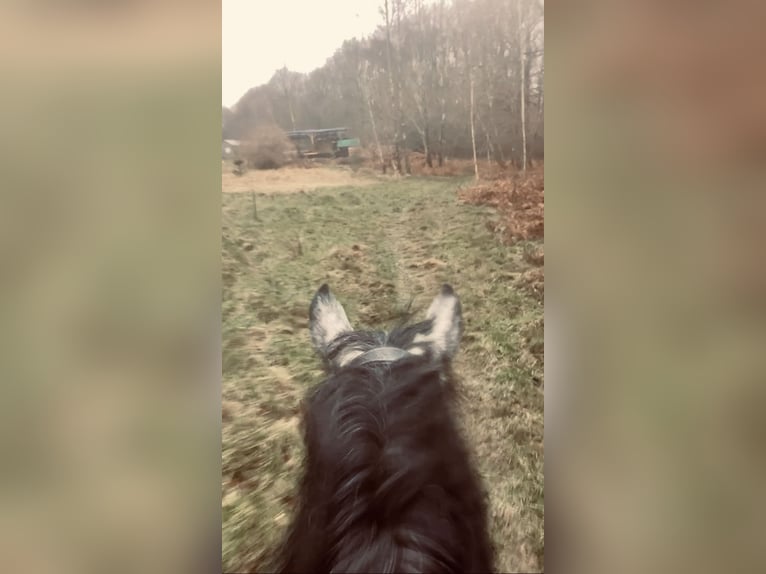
x=268, y=147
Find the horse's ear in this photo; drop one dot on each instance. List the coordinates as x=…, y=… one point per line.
x=327, y=319
x=445, y=314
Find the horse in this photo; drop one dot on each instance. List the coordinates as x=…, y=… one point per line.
x=388, y=483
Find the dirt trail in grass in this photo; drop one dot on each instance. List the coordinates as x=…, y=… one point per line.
x=383, y=249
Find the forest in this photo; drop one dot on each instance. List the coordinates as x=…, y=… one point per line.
x=446, y=78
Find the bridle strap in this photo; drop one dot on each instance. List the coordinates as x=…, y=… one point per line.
x=380, y=355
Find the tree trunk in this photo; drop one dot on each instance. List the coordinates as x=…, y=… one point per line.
x=522, y=90
x=426, y=130
x=401, y=143
x=395, y=160
x=375, y=131
x=426, y=145
x=440, y=153
x=497, y=150
x=491, y=147
x=364, y=87
x=473, y=129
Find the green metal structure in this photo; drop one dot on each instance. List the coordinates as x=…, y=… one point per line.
x=329, y=142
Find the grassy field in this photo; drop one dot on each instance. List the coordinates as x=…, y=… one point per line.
x=382, y=248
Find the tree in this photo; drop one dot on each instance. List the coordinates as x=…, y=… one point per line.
x=522, y=88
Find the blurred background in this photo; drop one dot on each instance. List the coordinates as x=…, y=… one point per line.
x=655, y=143
x=109, y=263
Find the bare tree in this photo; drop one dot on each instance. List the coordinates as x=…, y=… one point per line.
x=364, y=82
x=473, y=130
x=394, y=87
x=522, y=88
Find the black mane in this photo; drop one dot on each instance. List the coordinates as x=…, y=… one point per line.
x=388, y=484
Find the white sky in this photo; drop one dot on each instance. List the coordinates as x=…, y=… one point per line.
x=261, y=36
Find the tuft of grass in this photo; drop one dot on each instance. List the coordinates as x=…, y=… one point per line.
x=385, y=249
x=533, y=252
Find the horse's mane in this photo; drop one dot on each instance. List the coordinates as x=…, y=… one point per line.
x=388, y=485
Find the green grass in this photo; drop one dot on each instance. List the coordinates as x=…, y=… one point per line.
x=381, y=248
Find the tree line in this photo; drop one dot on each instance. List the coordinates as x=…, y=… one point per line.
x=448, y=78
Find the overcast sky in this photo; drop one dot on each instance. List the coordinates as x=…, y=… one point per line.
x=261, y=36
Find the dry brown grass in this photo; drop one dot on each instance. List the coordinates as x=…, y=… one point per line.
x=292, y=179
x=520, y=199
x=452, y=167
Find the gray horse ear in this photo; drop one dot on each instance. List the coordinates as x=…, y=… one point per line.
x=446, y=317
x=327, y=319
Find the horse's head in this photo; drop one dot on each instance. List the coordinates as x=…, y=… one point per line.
x=388, y=484
x=336, y=341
